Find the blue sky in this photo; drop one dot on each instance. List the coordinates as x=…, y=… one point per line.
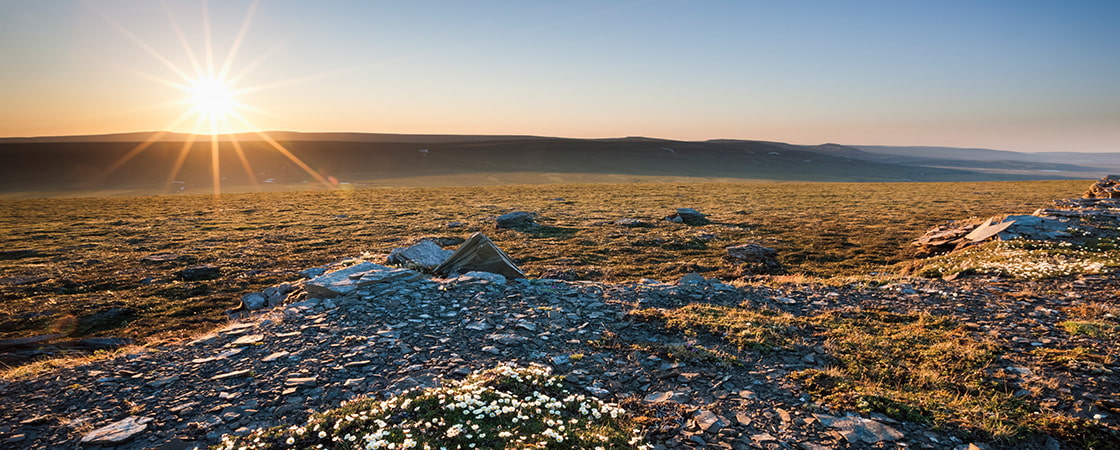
x=1014, y=75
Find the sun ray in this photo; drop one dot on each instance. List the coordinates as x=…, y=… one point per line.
x=147, y=48
x=183, y=41
x=284, y=151
x=244, y=160
x=237, y=41
x=207, y=39
x=215, y=165
x=144, y=145
x=179, y=160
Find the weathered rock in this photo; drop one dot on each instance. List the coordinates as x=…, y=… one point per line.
x=117, y=432
x=708, y=421
x=479, y=253
x=516, y=219
x=201, y=272
x=253, y=301
x=340, y=282
x=425, y=254
x=688, y=216
x=1107, y=187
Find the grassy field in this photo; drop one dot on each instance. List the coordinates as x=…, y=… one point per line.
x=87, y=276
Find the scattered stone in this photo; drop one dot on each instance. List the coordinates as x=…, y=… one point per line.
x=117, y=432
x=688, y=216
x=249, y=339
x=233, y=374
x=517, y=219
x=756, y=257
x=161, y=257
x=201, y=272
x=708, y=421
x=632, y=223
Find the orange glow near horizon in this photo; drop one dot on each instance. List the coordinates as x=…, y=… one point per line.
x=211, y=101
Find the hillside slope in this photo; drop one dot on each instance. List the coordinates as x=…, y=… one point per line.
x=57, y=165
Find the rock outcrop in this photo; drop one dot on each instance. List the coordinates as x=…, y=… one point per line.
x=1071, y=220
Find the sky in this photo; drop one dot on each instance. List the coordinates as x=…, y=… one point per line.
x=1017, y=75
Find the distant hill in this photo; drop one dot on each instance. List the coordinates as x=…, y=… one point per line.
x=1073, y=164
x=96, y=165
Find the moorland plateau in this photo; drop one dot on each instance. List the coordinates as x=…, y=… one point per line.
x=726, y=359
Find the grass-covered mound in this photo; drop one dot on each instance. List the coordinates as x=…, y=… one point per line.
x=504, y=407
x=1027, y=259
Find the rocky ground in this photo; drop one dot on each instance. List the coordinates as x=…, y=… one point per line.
x=397, y=332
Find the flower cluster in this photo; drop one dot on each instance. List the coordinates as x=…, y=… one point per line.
x=504, y=407
x=1025, y=259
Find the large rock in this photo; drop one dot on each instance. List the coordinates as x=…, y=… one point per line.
x=479, y=253
x=425, y=254
x=1107, y=187
x=517, y=219
x=688, y=216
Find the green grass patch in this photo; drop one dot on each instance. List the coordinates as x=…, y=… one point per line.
x=1096, y=328
x=504, y=407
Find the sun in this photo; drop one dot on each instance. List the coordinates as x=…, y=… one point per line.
x=212, y=98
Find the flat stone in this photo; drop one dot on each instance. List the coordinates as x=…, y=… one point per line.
x=233, y=374
x=708, y=421
x=857, y=429
x=248, y=339
x=339, y=282
x=117, y=432
x=274, y=356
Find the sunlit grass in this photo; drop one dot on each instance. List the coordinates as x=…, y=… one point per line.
x=1024, y=259
x=913, y=367
x=92, y=248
